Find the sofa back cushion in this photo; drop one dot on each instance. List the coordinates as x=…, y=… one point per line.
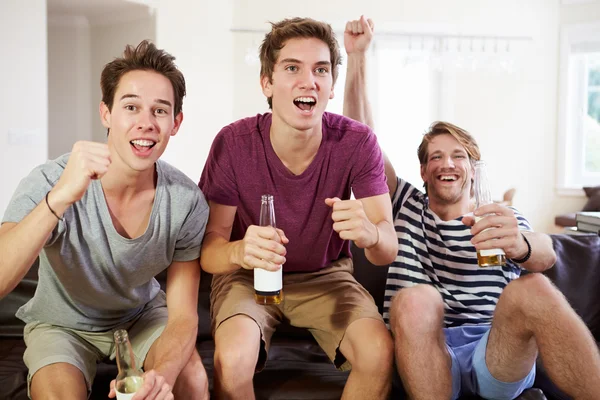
x=577, y=275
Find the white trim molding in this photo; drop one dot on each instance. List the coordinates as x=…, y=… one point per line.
x=573, y=40
x=574, y=2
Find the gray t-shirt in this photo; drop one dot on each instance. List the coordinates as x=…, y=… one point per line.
x=92, y=278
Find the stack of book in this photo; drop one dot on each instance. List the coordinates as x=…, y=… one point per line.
x=588, y=221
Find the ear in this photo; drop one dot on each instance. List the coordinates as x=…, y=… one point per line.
x=177, y=123
x=423, y=168
x=331, y=94
x=104, y=115
x=266, y=85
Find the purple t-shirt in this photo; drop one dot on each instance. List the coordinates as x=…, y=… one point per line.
x=242, y=166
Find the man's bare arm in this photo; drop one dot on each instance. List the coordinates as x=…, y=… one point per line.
x=175, y=345
x=357, y=39
x=379, y=211
x=21, y=243
x=542, y=253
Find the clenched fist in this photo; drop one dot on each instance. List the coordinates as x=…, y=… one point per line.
x=87, y=161
x=358, y=35
x=351, y=222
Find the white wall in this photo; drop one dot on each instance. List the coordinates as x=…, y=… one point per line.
x=24, y=100
x=107, y=43
x=69, y=83
x=513, y=116
x=198, y=34
x=580, y=13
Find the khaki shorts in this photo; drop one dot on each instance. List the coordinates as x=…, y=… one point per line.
x=326, y=302
x=49, y=344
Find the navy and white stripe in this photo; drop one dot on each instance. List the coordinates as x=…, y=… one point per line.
x=440, y=253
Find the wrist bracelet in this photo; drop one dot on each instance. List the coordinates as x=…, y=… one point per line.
x=50, y=208
x=377, y=242
x=524, y=259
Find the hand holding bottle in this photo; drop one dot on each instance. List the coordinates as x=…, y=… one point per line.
x=499, y=229
x=131, y=383
x=262, y=247
x=351, y=222
x=154, y=387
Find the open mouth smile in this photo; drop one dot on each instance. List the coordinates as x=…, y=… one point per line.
x=142, y=146
x=305, y=103
x=447, y=177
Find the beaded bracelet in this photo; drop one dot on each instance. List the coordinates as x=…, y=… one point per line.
x=524, y=259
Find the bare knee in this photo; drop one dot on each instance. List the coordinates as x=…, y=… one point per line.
x=416, y=310
x=531, y=295
x=237, y=345
x=372, y=348
x=58, y=381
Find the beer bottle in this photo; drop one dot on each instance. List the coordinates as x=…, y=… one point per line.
x=483, y=196
x=130, y=378
x=268, y=285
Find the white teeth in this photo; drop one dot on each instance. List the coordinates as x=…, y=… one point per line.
x=144, y=143
x=305, y=99
x=448, y=178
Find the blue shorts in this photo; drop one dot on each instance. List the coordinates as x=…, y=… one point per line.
x=470, y=375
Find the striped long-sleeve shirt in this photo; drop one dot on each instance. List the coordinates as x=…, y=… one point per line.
x=439, y=253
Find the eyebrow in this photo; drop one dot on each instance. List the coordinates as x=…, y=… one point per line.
x=461, y=151
x=296, y=61
x=135, y=96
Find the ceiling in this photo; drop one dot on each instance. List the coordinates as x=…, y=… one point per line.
x=99, y=11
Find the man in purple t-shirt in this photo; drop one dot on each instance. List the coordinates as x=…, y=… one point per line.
x=310, y=161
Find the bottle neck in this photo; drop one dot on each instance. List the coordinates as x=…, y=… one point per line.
x=267, y=212
x=124, y=354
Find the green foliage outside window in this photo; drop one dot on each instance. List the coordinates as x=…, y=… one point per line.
x=592, y=136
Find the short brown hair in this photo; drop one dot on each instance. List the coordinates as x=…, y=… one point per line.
x=293, y=28
x=143, y=57
x=445, y=128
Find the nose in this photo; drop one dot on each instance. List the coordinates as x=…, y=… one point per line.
x=307, y=80
x=448, y=162
x=145, y=121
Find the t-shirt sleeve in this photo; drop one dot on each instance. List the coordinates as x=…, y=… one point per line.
x=369, y=179
x=218, y=178
x=189, y=241
x=524, y=224
x=404, y=190
x=30, y=192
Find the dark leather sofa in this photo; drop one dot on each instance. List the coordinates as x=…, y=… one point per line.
x=297, y=368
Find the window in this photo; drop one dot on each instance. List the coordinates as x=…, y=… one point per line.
x=404, y=91
x=579, y=112
x=592, y=115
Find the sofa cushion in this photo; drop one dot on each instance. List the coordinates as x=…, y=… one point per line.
x=565, y=220
x=593, y=194
x=577, y=275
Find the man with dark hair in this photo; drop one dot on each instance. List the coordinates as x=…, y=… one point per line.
x=104, y=220
x=310, y=161
x=460, y=329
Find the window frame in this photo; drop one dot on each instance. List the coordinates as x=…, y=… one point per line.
x=571, y=177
